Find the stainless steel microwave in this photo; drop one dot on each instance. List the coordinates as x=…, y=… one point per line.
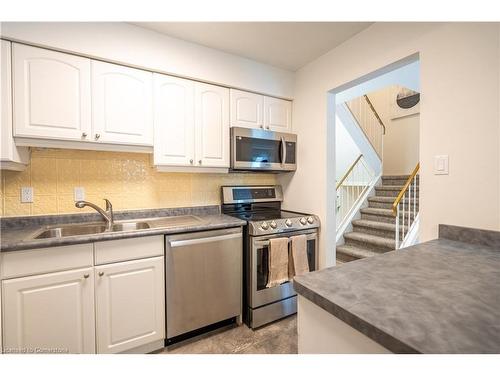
x=263, y=150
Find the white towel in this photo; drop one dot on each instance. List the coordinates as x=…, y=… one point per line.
x=299, y=256
x=278, y=262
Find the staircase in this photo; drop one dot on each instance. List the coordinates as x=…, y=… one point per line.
x=375, y=232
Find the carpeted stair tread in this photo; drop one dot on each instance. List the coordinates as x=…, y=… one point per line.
x=377, y=211
x=375, y=224
x=370, y=240
x=384, y=199
x=355, y=252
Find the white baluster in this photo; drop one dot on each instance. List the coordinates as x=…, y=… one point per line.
x=397, y=226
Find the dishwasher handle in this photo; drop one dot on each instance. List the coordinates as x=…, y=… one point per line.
x=197, y=241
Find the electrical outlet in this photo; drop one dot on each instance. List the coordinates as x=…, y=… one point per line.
x=26, y=195
x=79, y=194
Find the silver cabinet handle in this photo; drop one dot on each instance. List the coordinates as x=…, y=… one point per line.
x=262, y=126
x=84, y=134
x=199, y=161
x=101, y=273
x=86, y=276
x=97, y=136
x=191, y=161
x=267, y=127
x=195, y=241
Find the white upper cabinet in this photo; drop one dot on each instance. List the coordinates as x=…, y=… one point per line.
x=256, y=111
x=51, y=94
x=277, y=114
x=212, y=125
x=246, y=109
x=191, y=123
x=130, y=309
x=122, y=104
x=50, y=311
x=173, y=121
x=11, y=157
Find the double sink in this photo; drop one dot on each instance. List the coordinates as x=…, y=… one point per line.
x=81, y=229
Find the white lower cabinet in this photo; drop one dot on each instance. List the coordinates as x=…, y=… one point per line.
x=103, y=297
x=130, y=309
x=49, y=313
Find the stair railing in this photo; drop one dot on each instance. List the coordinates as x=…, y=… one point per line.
x=405, y=207
x=352, y=187
x=369, y=121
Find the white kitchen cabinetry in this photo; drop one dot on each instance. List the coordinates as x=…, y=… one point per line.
x=11, y=157
x=50, y=312
x=247, y=109
x=130, y=309
x=256, y=111
x=191, y=124
x=212, y=125
x=173, y=121
x=51, y=94
x=122, y=104
x=48, y=297
x=277, y=114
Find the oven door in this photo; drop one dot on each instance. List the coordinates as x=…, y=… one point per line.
x=254, y=149
x=259, y=294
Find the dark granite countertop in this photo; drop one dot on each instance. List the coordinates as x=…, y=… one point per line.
x=441, y=296
x=17, y=233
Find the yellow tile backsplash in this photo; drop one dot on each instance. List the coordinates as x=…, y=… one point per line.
x=128, y=180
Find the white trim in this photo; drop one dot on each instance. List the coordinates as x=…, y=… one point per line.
x=411, y=237
x=81, y=145
x=194, y=169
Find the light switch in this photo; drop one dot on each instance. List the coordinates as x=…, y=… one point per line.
x=27, y=194
x=79, y=194
x=441, y=164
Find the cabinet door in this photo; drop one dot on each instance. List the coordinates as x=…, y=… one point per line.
x=246, y=109
x=51, y=94
x=122, y=104
x=11, y=157
x=277, y=114
x=212, y=125
x=130, y=308
x=173, y=121
x=50, y=312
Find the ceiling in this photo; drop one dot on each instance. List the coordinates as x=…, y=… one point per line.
x=287, y=45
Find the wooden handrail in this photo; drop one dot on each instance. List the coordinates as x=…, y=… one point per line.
x=375, y=112
x=403, y=190
x=349, y=171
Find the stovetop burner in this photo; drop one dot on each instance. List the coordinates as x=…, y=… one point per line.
x=264, y=215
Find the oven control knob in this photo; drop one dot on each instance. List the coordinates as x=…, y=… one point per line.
x=310, y=220
x=303, y=221
x=288, y=222
x=264, y=226
x=273, y=224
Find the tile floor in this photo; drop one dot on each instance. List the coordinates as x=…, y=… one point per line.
x=276, y=338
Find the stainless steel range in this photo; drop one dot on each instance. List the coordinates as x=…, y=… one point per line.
x=260, y=206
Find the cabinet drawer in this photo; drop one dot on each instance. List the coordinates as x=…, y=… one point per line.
x=128, y=249
x=50, y=259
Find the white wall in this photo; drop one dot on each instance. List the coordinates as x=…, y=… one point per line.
x=401, y=139
x=132, y=45
x=459, y=117
x=346, y=150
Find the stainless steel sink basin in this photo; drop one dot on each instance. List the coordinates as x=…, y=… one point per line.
x=86, y=229
x=119, y=226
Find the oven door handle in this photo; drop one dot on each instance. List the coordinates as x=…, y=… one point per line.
x=267, y=242
x=283, y=152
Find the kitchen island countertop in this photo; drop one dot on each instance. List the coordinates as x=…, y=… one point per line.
x=441, y=296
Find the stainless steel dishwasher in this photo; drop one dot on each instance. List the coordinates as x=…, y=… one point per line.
x=203, y=276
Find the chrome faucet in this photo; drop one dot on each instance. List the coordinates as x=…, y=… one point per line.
x=107, y=215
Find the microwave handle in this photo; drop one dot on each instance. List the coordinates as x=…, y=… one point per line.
x=283, y=152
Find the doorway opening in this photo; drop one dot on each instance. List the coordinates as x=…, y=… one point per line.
x=374, y=161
